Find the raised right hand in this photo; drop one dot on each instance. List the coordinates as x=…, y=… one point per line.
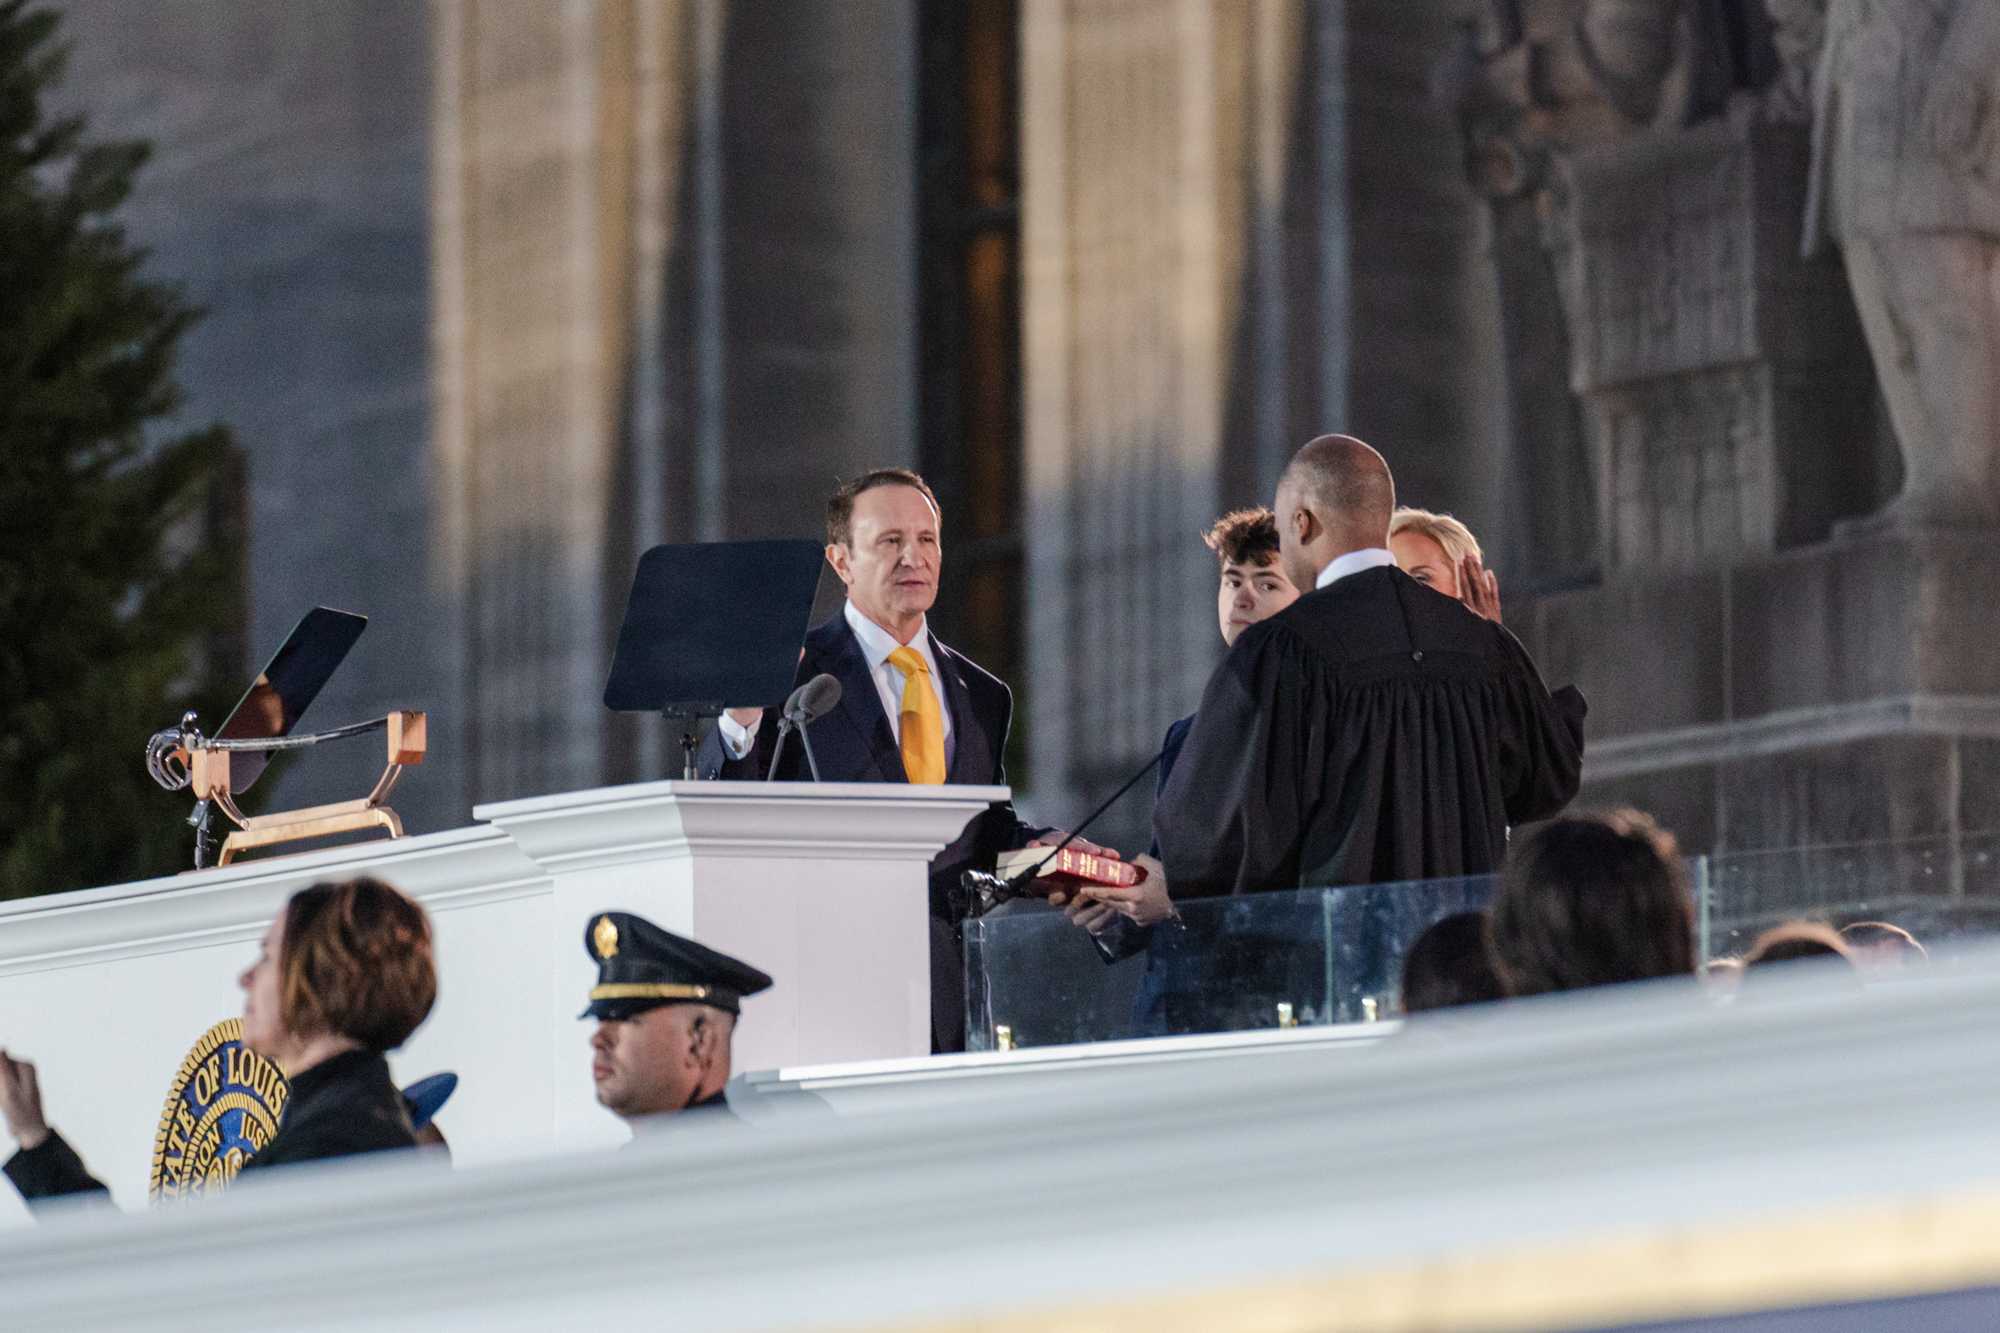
x=1479, y=589
x=21, y=1102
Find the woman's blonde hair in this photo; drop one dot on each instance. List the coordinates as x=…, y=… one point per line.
x=1456, y=539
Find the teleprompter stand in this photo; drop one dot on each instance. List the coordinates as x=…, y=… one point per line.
x=709, y=626
x=222, y=766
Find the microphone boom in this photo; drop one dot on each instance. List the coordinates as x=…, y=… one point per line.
x=809, y=702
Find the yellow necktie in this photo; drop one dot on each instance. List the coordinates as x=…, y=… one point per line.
x=922, y=724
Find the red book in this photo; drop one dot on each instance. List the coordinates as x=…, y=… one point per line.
x=1070, y=866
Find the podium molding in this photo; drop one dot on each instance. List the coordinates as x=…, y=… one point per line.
x=823, y=885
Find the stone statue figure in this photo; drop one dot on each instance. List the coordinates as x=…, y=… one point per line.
x=1906, y=180
x=1535, y=83
x=1798, y=35
x=1631, y=48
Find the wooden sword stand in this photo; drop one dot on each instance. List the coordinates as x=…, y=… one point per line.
x=208, y=765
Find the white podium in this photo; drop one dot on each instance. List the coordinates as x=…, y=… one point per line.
x=821, y=885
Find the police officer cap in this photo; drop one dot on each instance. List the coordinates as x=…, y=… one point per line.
x=641, y=967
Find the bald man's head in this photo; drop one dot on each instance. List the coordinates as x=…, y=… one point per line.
x=1336, y=496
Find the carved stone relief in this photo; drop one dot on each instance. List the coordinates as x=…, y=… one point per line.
x=1694, y=337
x=1905, y=178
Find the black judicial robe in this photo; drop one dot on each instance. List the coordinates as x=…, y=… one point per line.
x=1373, y=731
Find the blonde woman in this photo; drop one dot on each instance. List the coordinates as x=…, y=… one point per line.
x=1440, y=552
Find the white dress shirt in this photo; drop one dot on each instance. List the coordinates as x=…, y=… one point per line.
x=1353, y=563
x=876, y=645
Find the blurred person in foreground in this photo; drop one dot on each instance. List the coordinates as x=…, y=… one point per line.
x=344, y=974
x=666, y=1010
x=1440, y=552
x=1591, y=900
x=1798, y=942
x=1879, y=947
x=1372, y=731
x=1722, y=977
x=1447, y=966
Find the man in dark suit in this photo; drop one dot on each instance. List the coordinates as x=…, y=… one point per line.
x=911, y=709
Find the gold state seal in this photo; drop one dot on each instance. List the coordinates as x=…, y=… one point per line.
x=224, y=1105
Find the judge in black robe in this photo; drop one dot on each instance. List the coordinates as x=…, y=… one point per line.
x=1373, y=731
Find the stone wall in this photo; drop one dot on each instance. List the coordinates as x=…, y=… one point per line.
x=1246, y=224
x=504, y=294
x=673, y=304
x=287, y=194
x=1840, y=692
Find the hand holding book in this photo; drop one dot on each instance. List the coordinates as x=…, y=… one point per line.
x=1096, y=886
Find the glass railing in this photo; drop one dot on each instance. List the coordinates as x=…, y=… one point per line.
x=1259, y=961
x=1335, y=955
x=1944, y=891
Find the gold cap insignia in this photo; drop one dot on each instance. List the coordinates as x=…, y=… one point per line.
x=604, y=937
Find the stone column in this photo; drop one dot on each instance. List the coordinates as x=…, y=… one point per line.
x=1132, y=266
x=672, y=303
x=1198, y=302
x=1722, y=378
x=533, y=209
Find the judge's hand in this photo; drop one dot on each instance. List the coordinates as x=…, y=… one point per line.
x=1092, y=915
x=1479, y=589
x=1060, y=898
x=21, y=1102
x=1146, y=903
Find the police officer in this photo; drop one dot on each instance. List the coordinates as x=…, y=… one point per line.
x=666, y=1010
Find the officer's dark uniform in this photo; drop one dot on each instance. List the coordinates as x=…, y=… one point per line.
x=641, y=967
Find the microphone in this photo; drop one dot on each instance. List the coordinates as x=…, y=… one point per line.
x=812, y=700
x=988, y=890
x=809, y=702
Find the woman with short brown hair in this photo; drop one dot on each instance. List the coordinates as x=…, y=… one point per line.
x=345, y=974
